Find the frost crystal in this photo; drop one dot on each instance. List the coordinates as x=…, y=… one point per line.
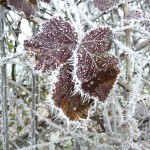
x=135, y=14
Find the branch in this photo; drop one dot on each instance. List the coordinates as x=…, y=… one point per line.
x=5, y=136
x=19, y=85
x=5, y=60
x=124, y=85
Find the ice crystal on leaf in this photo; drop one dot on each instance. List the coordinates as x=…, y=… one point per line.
x=28, y=7
x=54, y=45
x=96, y=69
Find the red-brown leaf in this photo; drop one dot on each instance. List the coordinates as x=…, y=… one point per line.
x=28, y=7
x=54, y=45
x=72, y=105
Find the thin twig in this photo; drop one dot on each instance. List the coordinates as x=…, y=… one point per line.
x=18, y=85
x=124, y=85
x=5, y=60
x=10, y=28
x=5, y=32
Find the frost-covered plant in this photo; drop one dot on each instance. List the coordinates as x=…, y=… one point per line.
x=72, y=52
x=87, y=69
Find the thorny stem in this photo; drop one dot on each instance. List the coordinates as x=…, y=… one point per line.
x=33, y=116
x=3, y=91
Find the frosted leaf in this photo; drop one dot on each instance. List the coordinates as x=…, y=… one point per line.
x=135, y=14
x=101, y=85
x=143, y=18
x=98, y=40
x=3, y=2
x=28, y=7
x=89, y=58
x=98, y=75
x=106, y=5
x=96, y=69
x=54, y=45
x=146, y=25
x=72, y=105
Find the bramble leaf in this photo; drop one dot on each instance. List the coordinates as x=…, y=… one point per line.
x=89, y=59
x=142, y=18
x=54, y=45
x=102, y=83
x=106, y=5
x=72, y=105
x=146, y=25
x=96, y=69
x=28, y=7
